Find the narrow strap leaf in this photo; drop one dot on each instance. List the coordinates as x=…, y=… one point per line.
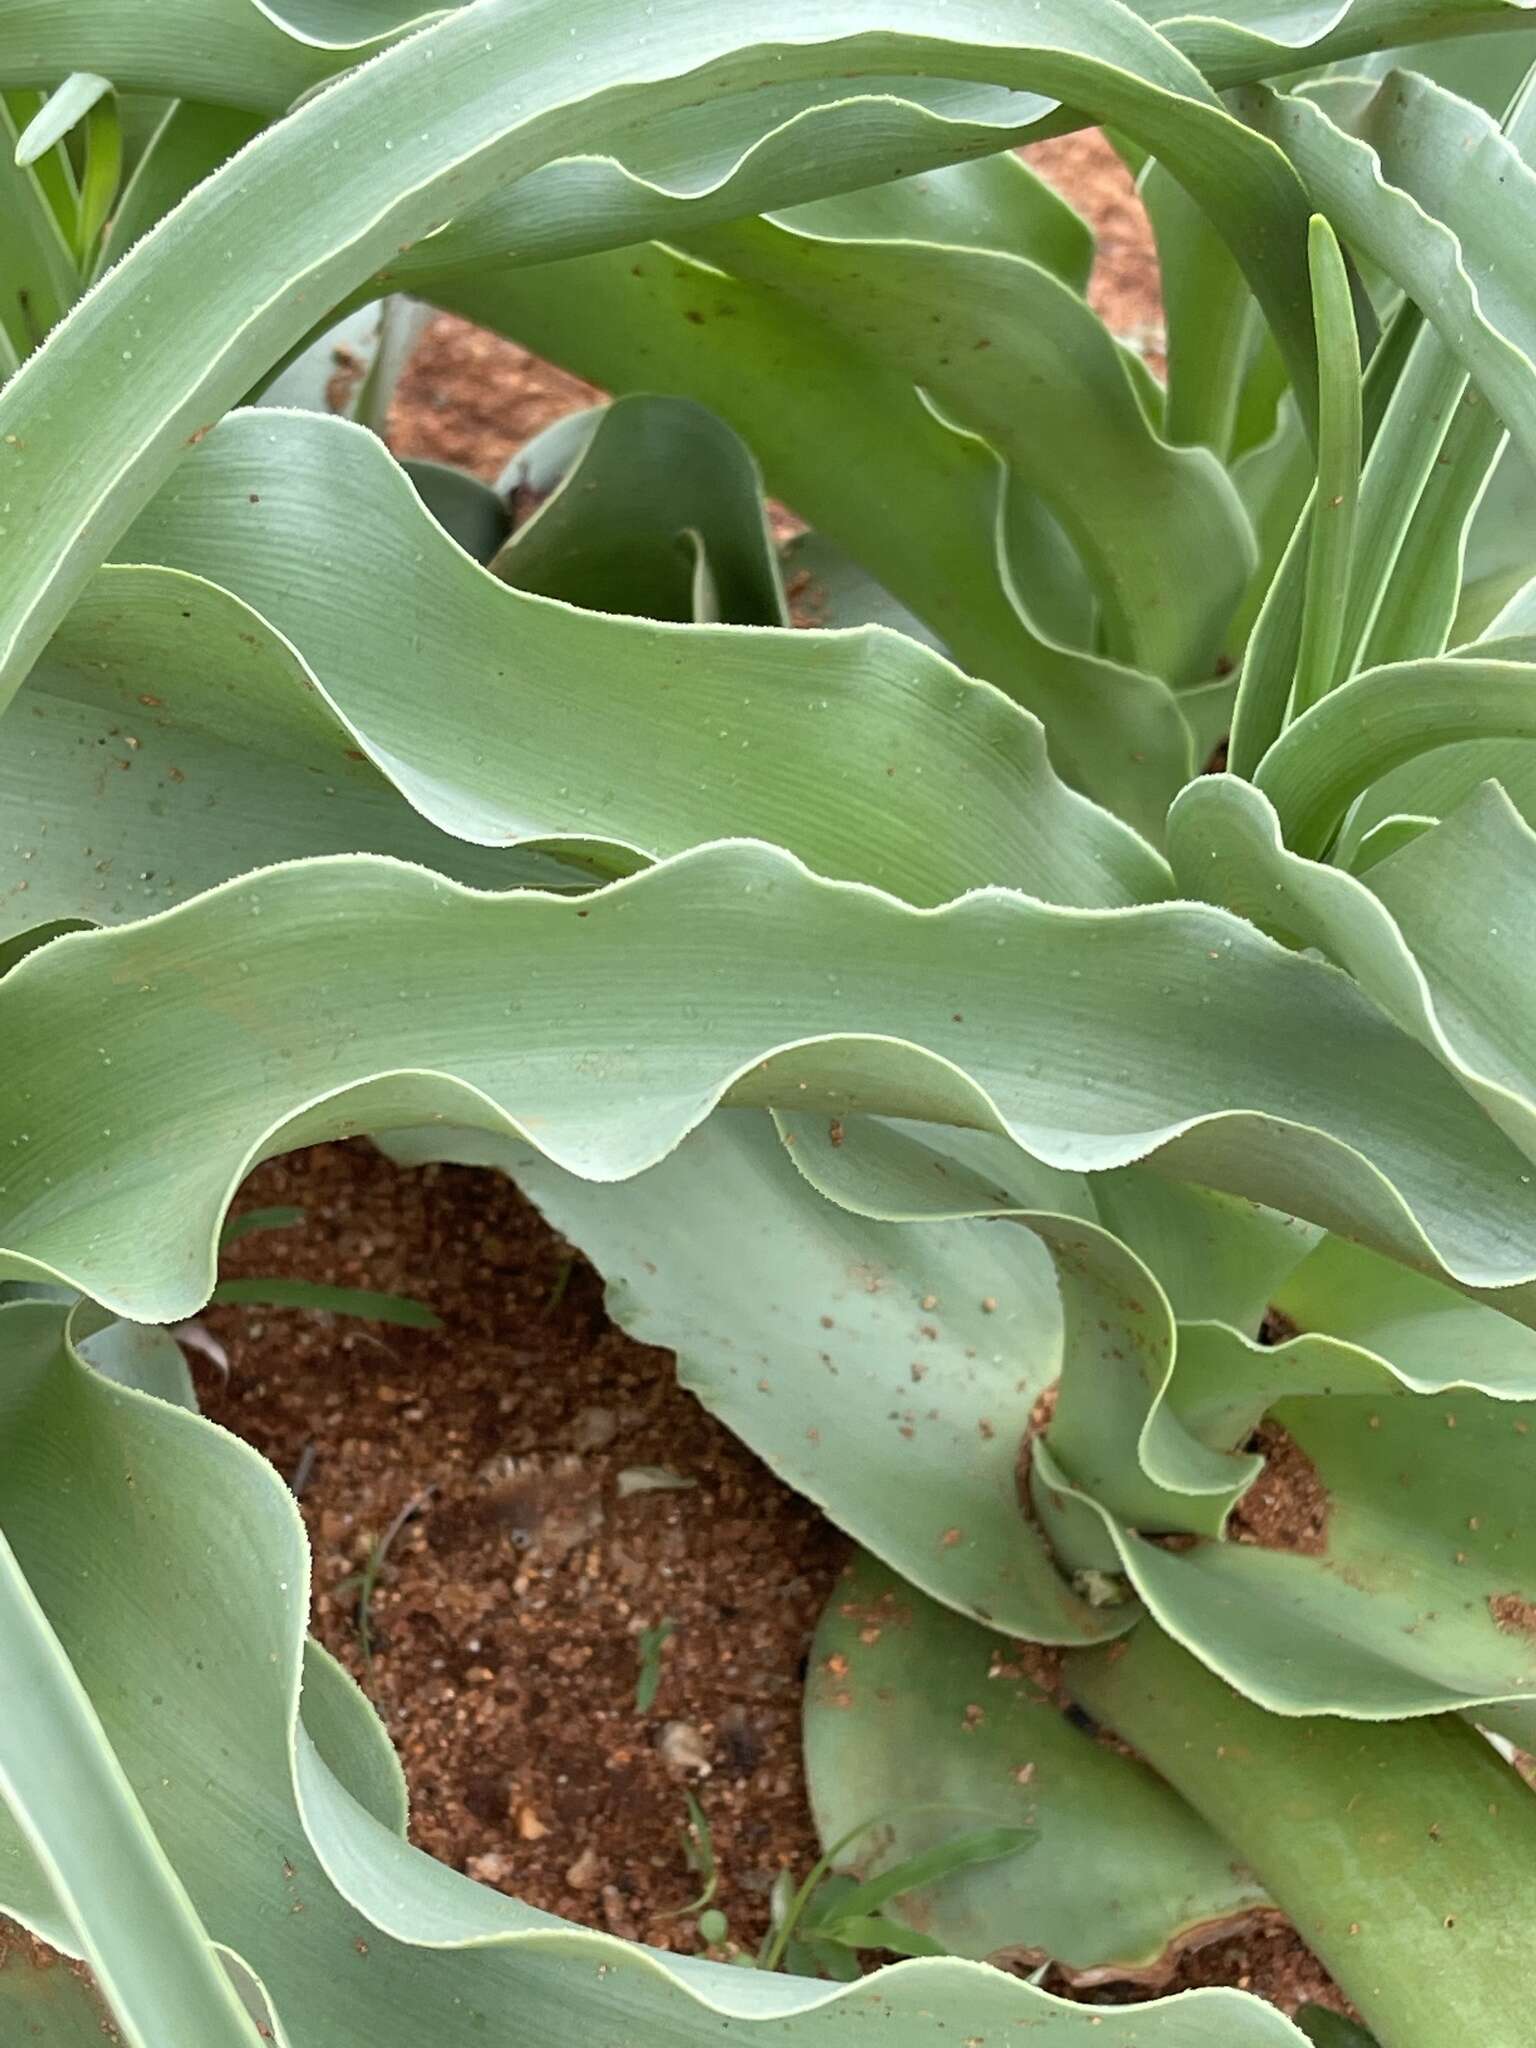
x=61, y=1780
x=59, y=113
x=1340, y=433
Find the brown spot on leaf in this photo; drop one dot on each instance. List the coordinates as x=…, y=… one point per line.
x=1516, y=1616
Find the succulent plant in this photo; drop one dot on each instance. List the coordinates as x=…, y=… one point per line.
x=1036, y=1148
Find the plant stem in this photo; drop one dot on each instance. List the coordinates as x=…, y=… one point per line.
x=1404, y=1851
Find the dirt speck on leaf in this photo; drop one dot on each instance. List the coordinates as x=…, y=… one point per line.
x=1515, y=1615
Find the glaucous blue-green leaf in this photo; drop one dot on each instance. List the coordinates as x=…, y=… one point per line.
x=370, y=995
x=855, y=452
x=924, y=781
x=835, y=590
x=1009, y=351
x=660, y=517
x=1403, y=932
x=189, y=142
x=1430, y=189
x=886, y=1371
x=169, y=739
x=923, y=1725
x=1401, y=1847
x=1410, y=1591
x=469, y=511
x=1501, y=547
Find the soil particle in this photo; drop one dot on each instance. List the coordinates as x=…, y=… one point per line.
x=507, y=1618
x=1516, y=1616
x=1287, y=1507
x=470, y=398
x=1125, y=289
x=1263, y=1956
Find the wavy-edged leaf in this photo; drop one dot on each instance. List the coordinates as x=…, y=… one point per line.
x=660, y=517
x=68, y=1794
x=170, y=739
x=854, y=452
x=1009, y=351
x=886, y=1371
x=356, y=994
x=262, y=204
x=1382, y=720
x=258, y=54
x=1412, y=1597
x=1432, y=191
x=922, y=1723
x=393, y=1945
x=1404, y=933
x=739, y=727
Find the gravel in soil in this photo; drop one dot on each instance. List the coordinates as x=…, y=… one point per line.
x=577, y=1500
x=510, y=1619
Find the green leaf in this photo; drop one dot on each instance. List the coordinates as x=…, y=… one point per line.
x=1340, y=1818
x=68, y=1794
x=661, y=517
x=1380, y=721
x=383, y=995
x=467, y=510
x=170, y=739
x=652, y=1642
x=258, y=1219
x=857, y=449
x=1008, y=351
x=189, y=143
x=904, y=1693
x=101, y=178
x=1408, y=1599
x=1327, y=2029
x=1500, y=549
x=930, y=1867
x=341, y=1301
x=1336, y=496
x=875, y=1931
x=511, y=753
x=1432, y=192
x=49, y=2003
x=38, y=281
x=60, y=112
x=836, y=591
x=1403, y=935
x=1209, y=311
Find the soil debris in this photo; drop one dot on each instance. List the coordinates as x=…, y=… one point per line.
x=1516, y=1616
x=1287, y=1506
x=507, y=1619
